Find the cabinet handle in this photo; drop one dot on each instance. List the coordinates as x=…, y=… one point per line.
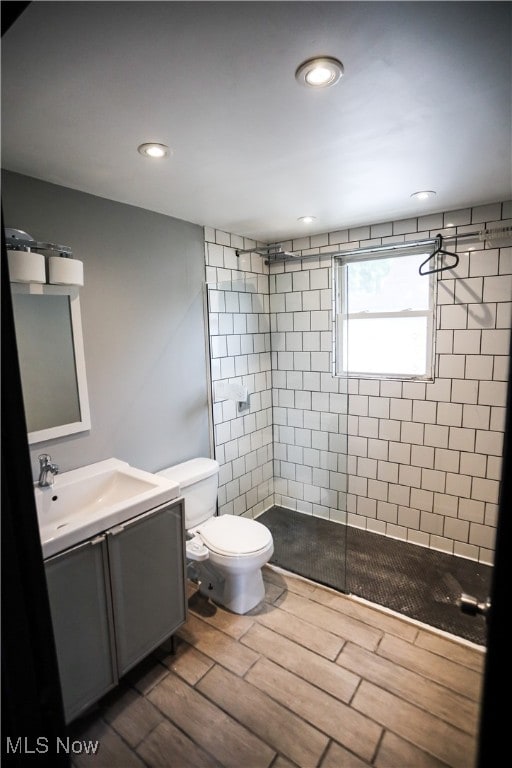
x=115, y=531
x=97, y=540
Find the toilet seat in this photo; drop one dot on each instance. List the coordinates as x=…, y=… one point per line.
x=231, y=535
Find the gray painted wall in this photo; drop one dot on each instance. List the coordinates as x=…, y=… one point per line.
x=143, y=324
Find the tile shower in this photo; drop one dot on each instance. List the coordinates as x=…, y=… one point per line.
x=416, y=461
x=239, y=326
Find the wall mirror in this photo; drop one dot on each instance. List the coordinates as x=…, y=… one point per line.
x=51, y=357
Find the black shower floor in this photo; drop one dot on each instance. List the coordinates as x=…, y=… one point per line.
x=417, y=582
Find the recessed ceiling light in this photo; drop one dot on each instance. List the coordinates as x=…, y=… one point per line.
x=306, y=219
x=154, y=150
x=425, y=194
x=319, y=72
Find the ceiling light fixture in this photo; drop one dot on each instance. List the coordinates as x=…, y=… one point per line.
x=154, y=150
x=425, y=194
x=306, y=219
x=319, y=72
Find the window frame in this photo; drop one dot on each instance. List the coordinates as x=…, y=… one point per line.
x=340, y=266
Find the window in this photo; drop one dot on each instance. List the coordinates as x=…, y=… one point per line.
x=384, y=319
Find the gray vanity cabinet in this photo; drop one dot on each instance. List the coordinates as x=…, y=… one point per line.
x=114, y=599
x=148, y=604
x=82, y=623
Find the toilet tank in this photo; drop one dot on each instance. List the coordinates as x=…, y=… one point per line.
x=199, y=481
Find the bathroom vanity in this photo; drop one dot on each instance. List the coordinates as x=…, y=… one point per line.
x=116, y=594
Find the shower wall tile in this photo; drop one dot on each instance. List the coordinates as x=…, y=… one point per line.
x=240, y=352
x=414, y=460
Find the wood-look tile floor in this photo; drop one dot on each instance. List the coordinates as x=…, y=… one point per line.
x=311, y=678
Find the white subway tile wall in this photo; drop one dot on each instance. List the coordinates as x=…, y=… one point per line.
x=412, y=460
x=239, y=329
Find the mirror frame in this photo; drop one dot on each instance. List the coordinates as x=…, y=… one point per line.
x=84, y=424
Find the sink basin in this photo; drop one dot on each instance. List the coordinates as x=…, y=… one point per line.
x=87, y=501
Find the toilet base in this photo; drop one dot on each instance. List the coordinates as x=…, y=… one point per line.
x=239, y=593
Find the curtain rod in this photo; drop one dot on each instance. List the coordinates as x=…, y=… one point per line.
x=371, y=249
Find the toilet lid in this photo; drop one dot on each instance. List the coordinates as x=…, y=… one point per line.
x=233, y=535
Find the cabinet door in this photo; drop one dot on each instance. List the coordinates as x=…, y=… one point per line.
x=147, y=571
x=82, y=624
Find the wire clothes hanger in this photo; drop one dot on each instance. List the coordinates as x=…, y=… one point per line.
x=438, y=250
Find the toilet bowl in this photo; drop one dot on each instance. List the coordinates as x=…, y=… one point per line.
x=228, y=551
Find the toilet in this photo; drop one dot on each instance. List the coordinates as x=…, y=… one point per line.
x=228, y=551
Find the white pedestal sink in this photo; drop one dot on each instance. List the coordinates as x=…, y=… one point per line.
x=86, y=501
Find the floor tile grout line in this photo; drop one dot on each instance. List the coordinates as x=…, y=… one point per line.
x=427, y=677
x=416, y=706
x=128, y=745
x=443, y=685
x=478, y=651
x=354, y=693
x=105, y=708
x=280, y=755
x=324, y=753
x=442, y=763
x=379, y=745
x=367, y=622
x=157, y=662
x=288, y=709
x=331, y=631
x=251, y=730
x=302, y=645
x=182, y=677
x=413, y=703
x=179, y=728
x=414, y=672
x=399, y=618
x=252, y=665
x=272, y=629
x=298, y=644
x=410, y=622
x=362, y=678
x=304, y=719
x=406, y=701
x=136, y=749
x=245, y=632
x=305, y=679
x=375, y=651
x=381, y=638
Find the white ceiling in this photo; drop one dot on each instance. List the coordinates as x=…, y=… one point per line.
x=425, y=103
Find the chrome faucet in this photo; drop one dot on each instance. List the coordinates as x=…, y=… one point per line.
x=47, y=471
